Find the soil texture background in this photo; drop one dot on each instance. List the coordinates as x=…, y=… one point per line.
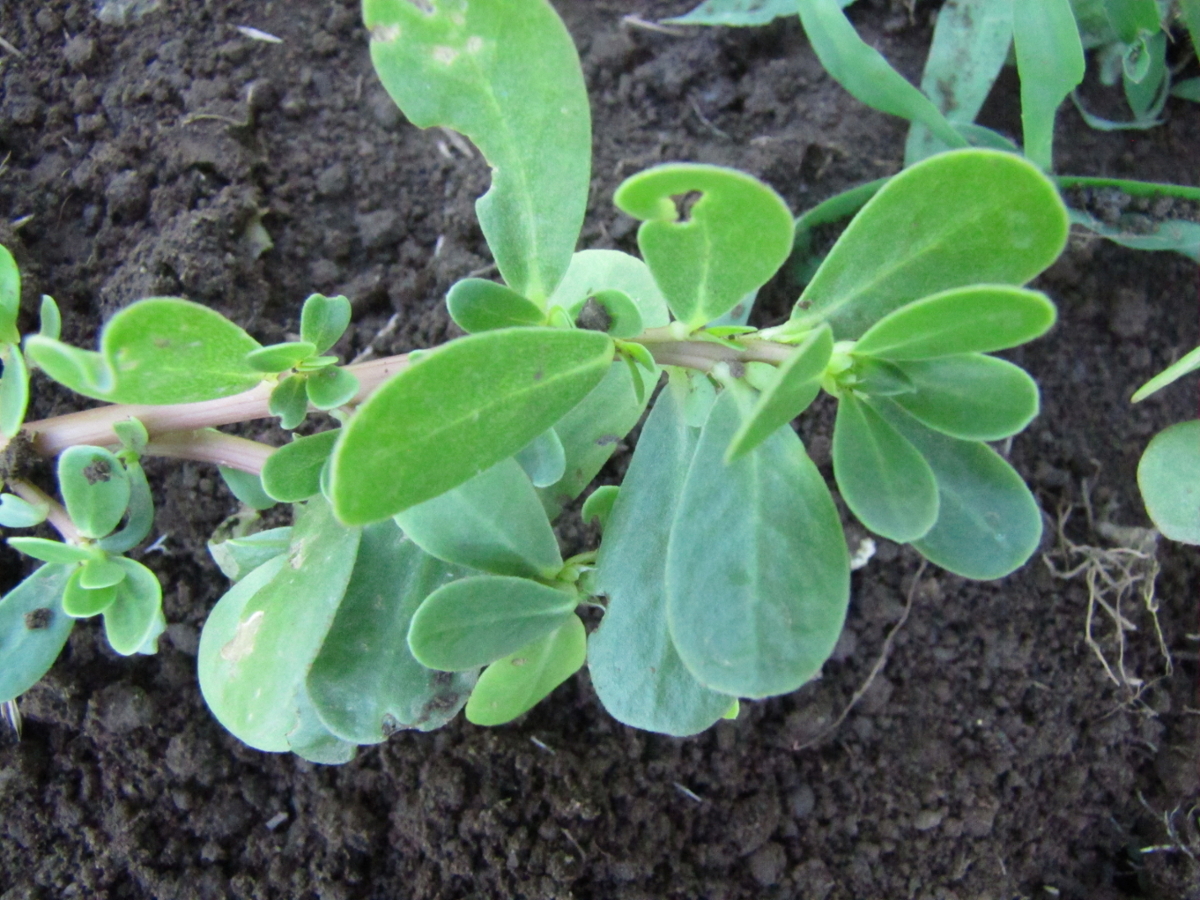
x=991, y=757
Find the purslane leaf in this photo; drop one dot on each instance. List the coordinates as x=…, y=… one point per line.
x=293, y=472
x=81, y=602
x=514, y=685
x=10, y=297
x=134, y=621
x=884, y=480
x=493, y=522
x=758, y=576
x=710, y=235
x=95, y=488
x=478, y=305
x=458, y=411
x=323, y=320
x=33, y=629
x=634, y=666
x=475, y=621
x=330, y=387
x=544, y=459
x=975, y=319
x=280, y=357
x=506, y=75
x=17, y=512
x=1169, y=478
x=598, y=270
x=955, y=219
x=1051, y=64
x=14, y=390
x=289, y=401
x=239, y=556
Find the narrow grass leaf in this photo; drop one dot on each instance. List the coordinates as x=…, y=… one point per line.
x=514, y=685
x=758, y=576
x=976, y=319
x=458, y=411
x=955, y=219
x=1169, y=478
x=971, y=397
x=1179, y=235
x=739, y=13
x=293, y=472
x=365, y=682
x=1051, y=64
x=507, y=76
x=1190, y=362
x=33, y=629
x=883, y=479
x=710, y=235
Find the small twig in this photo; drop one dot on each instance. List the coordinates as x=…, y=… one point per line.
x=10, y=48
x=690, y=794
x=703, y=118
x=884, y=653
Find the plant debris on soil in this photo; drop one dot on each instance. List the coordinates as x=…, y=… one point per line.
x=990, y=756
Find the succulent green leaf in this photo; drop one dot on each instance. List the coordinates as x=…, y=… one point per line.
x=323, y=320
x=132, y=434
x=139, y=515
x=863, y=71
x=1187, y=89
x=1129, y=18
x=592, y=431
x=263, y=635
x=289, y=401
x=612, y=312
x=475, y=621
x=506, y=75
x=599, y=270
x=293, y=472
x=95, y=488
x=237, y=557
x=792, y=390
x=14, y=390
x=134, y=621
x=81, y=602
x=976, y=319
x=971, y=396
x=758, y=576
x=17, y=512
x=634, y=666
x=971, y=42
x=739, y=13
x=544, y=459
x=33, y=629
x=54, y=552
x=883, y=479
x=493, y=522
x=311, y=740
x=988, y=522
x=10, y=298
x=459, y=410
x=1189, y=362
x=1051, y=64
x=100, y=573
x=514, y=685
x=83, y=371
x=49, y=318
x=955, y=219
x=1179, y=235
x=247, y=487
x=710, y=235
x=476, y=305
x=880, y=378
x=1169, y=478
x=365, y=683
x=280, y=357
x=598, y=506
x=331, y=387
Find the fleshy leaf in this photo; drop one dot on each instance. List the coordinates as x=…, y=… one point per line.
x=634, y=666
x=544, y=459
x=133, y=623
x=49, y=318
x=17, y=512
x=293, y=472
x=883, y=479
x=323, y=320
x=139, y=515
x=598, y=506
x=83, y=371
x=794, y=387
x=280, y=357
x=710, y=235
x=237, y=557
x=612, y=312
x=506, y=75
x=95, y=488
x=100, y=573
x=988, y=523
x=475, y=621
x=955, y=219
x=599, y=270
x=1051, y=64
x=247, y=487
x=33, y=629
x=289, y=401
x=80, y=602
x=54, y=552
x=459, y=410
x=514, y=685
x=1169, y=478
x=758, y=576
x=493, y=523
x=311, y=740
x=331, y=387
x=365, y=683
x=479, y=305
x=10, y=297
x=262, y=636
x=14, y=390
x=976, y=319
x=971, y=396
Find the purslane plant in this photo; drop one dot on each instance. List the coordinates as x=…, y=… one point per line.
x=421, y=573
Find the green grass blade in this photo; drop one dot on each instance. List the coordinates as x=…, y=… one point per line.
x=1050, y=62
x=739, y=13
x=1190, y=362
x=1169, y=478
x=1177, y=235
x=504, y=73
x=758, y=577
x=458, y=411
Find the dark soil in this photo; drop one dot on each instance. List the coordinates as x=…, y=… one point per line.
x=992, y=757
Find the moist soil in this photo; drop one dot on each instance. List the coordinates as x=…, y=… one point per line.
x=990, y=756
